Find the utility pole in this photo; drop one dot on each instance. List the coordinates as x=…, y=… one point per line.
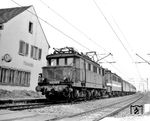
x=147, y=85
x=145, y=61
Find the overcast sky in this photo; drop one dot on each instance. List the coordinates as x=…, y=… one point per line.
x=120, y=27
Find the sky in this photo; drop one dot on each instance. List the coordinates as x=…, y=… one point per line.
x=120, y=27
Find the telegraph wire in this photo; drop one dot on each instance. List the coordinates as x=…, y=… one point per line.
x=83, y=33
x=60, y=31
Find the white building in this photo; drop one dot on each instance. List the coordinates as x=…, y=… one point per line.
x=23, y=48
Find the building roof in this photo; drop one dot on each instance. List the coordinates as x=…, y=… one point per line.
x=8, y=13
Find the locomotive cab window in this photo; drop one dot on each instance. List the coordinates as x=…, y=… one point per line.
x=52, y=62
x=61, y=61
x=70, y=61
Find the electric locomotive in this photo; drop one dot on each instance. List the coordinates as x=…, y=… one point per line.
x=72, y=75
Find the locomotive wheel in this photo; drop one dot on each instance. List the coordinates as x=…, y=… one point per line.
x=88, y=95
x=76, y=94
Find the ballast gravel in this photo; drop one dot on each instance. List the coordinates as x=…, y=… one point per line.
x=62, y=110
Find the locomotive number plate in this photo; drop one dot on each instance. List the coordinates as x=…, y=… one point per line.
x=54, y=82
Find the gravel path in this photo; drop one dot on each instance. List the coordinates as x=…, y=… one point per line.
x=125, y=115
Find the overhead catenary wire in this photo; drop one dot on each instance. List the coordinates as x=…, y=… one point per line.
x=60, y=31
x=76, y=28
x=100, y=10
x=112, y=29
x=128, y=45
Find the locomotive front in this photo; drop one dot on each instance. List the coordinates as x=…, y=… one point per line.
x=57, y=77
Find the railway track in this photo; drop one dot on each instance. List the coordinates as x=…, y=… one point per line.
x=86, y=111
x=100, y=112
x=24, y=104
x=16, y=105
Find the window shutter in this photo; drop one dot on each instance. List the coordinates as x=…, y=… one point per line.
x=35, y=53
x=40, y=54
x=31, y=51
x=21, y=47
x=27, y=48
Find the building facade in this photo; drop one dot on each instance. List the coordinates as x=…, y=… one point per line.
x=23, y=48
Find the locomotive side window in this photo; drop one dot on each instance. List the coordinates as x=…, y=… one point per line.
x=100, y=71
x=89, y=67
x=114, y=77
x=103, y=72
x=95, y=69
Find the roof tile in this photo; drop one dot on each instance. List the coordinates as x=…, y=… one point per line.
x=8, y=13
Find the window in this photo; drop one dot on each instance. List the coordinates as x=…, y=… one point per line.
x=36, y=53
x=119, y=79
x=70, y=61
x=30, y=27
x=95, y=69
x=23, y=48
x=100, y=71
x=16, y=77
x=1, y=27
x=114, y=78
x=40, y=54
x=89, y=67
x=52, y=62
x=103, y=72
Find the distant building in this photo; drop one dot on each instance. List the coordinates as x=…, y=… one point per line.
x=23, y=48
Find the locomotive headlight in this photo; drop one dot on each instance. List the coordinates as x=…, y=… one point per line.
x=65, y=77
x=38, y=88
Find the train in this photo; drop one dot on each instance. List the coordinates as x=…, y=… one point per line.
x=73, y=75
